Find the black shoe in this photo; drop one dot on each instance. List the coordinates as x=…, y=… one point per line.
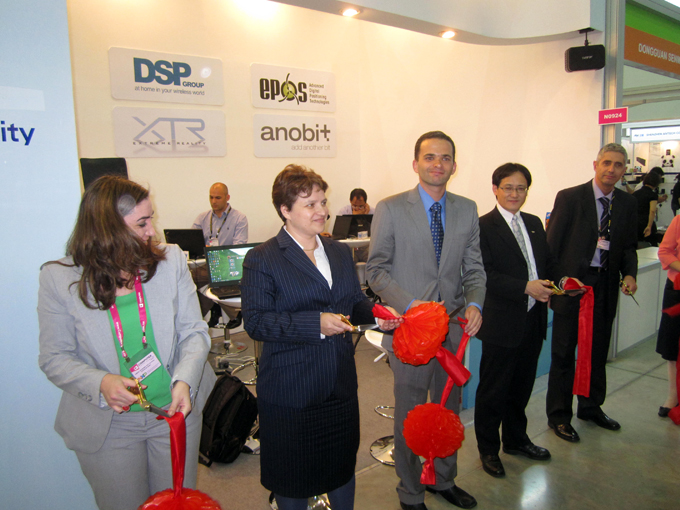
x=456, y=496
x=565, y=431
x=235, y=323
x=492, y=464
x=529, y=450
x=663, y=411
x=600, y=419
x=417, y=506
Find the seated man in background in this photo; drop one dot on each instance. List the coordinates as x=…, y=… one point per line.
x=358, y=204
x=222, y=225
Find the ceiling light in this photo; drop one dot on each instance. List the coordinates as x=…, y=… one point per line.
x=350, y=12
x=449, y=34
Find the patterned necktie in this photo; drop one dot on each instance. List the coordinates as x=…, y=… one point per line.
x=604, y=231
x=437, y=229
x=517, y=231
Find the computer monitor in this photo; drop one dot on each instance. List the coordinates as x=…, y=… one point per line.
x=225, y=264
x=189, y=239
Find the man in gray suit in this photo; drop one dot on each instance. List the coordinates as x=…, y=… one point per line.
x=425, y=247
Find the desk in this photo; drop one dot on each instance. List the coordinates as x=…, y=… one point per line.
x=356, y=243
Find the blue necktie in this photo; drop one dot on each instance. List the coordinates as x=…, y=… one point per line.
x=437, y=229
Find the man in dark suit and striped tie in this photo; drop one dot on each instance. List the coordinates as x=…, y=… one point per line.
x=592, y=232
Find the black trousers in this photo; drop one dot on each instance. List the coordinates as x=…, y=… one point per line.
x=564, y=342
x=506, y=379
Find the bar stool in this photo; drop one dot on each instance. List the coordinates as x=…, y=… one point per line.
x=382, y=448
x=253, y=362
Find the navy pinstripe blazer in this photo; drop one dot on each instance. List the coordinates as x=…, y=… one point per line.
x=282, y=297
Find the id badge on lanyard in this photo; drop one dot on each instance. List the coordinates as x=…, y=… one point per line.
x=144, y=362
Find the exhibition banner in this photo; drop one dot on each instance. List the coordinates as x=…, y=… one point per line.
x=655, y=134
x=149, y=76
x=288, y=88
x=653, y=53
x=294, y=136
x=168, y=133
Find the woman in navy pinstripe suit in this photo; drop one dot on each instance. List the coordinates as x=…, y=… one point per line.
x=295, y=288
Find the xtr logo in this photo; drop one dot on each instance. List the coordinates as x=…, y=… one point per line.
x=163, y=72
x=9, y=133
x=272, y=89
x=171, y=127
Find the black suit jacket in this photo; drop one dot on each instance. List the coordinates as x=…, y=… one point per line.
x=507, y=274
x=572, y=236
x=283, y=295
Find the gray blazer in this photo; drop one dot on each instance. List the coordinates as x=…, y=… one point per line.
x=402, y=265
x=77, y=346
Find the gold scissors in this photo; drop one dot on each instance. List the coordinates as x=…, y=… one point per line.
x=624, y=284
x=145, y=404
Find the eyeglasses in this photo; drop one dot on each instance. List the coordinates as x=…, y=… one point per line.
x=509, y=189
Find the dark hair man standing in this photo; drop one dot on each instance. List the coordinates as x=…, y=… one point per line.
x=518, y=263
x=425, y=247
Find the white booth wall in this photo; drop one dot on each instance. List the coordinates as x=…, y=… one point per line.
x=498, y=103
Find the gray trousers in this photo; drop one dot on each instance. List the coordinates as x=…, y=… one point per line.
x=135, y=461
x=411, y=387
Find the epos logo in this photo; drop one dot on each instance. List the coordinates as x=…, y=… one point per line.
x=163, y=72
x=271, y=88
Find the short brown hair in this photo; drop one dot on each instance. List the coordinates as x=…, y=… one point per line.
x=434, y=134
x=292, y=182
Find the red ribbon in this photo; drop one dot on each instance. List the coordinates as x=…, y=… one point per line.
x=585, y=338
x=380, y=312
x=458, y=375
x=178, y=450
x=673, y=311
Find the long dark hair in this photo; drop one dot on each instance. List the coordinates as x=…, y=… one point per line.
x=104, y=246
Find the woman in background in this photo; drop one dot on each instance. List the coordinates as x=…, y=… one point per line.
x=669, y=329
x=296, y=288
x=647, y=199
x=117, y=301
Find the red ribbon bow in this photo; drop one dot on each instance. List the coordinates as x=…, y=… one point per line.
x=585, y=338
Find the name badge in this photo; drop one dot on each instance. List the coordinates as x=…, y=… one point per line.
x=213, y=241
x=143, y=365
x=602, y=243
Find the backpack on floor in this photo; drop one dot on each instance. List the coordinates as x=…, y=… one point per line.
x=228, y=418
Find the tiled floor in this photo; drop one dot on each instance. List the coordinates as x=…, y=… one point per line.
x=634, y=468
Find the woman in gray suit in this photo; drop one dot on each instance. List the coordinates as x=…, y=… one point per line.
x=295, y=291
x=118, y=307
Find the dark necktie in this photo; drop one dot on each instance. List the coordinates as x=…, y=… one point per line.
x=437, y=229
x=604, y=231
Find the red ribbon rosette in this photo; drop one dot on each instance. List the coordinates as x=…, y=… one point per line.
x=179, y=498
x=422, y=333
x=585, y=338
x=674, y=311
x=432, y=431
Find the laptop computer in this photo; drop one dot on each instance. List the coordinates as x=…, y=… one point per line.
x=360, y=223
x=341, y=227
x=189, y=239
x=225, y=268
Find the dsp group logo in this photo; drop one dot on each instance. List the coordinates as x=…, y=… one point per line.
x=158, y=133
x=150, y=76
x=292, y=89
